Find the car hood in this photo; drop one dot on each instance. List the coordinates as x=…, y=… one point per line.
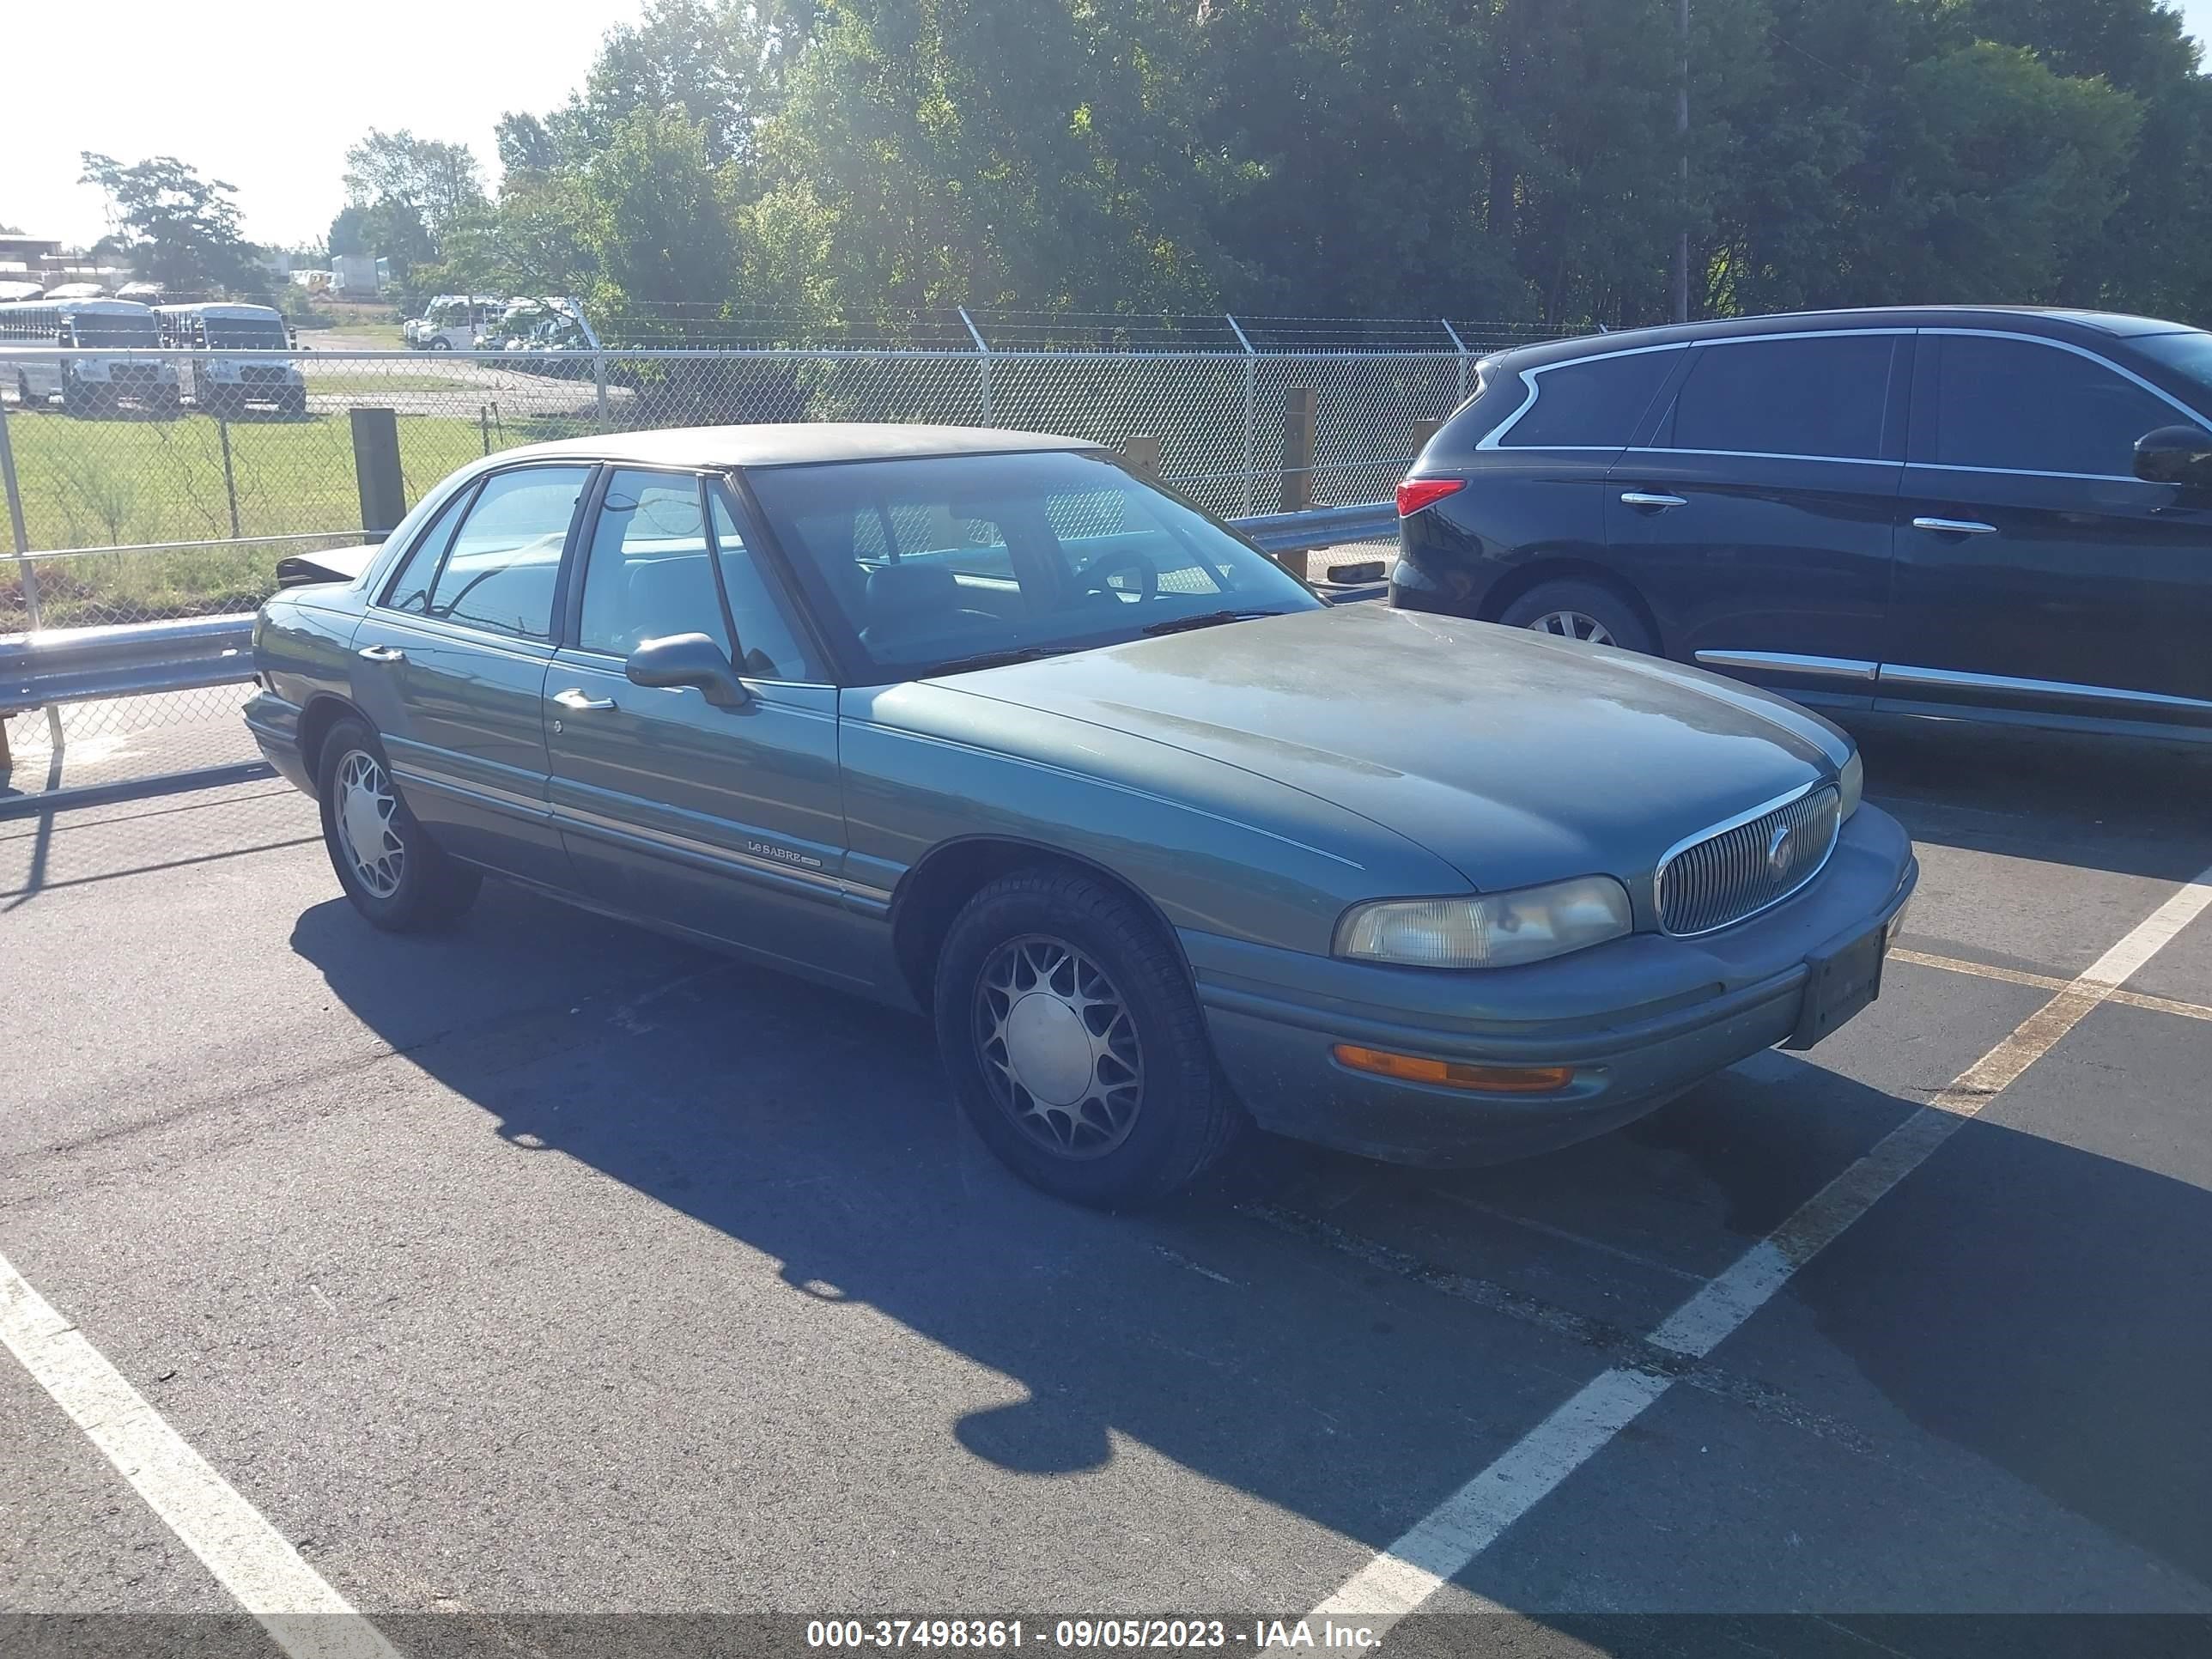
x=1515, y=757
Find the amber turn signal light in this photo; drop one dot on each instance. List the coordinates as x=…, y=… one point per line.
x=1455, y=1074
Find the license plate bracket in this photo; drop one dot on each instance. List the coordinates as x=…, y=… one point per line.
x=1840, y=981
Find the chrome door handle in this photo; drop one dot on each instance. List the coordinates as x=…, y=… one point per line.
x=577, y=698
x=1955, y=526
x=382, y=654
x=1644, y=498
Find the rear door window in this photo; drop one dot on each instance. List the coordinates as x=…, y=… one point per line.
x=1596, y=403
x=501, y=569
x=1825, y=397
x=2020, y=406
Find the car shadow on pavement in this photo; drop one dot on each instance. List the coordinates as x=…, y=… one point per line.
x=2036, y=1306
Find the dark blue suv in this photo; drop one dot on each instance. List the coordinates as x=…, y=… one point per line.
x=2001, y=514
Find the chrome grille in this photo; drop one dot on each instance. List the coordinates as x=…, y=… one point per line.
x=1738, y=869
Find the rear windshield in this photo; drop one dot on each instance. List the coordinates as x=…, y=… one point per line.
x=929, y=561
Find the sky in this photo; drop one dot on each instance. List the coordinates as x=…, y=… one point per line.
x=267, y=96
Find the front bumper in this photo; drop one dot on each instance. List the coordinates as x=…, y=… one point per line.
x=1640, y=1020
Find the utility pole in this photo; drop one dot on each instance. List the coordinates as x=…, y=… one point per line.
x=1682, y=133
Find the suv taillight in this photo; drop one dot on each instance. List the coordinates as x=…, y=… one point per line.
x=1414, y=493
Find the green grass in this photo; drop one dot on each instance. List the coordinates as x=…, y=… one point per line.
x=106, y=483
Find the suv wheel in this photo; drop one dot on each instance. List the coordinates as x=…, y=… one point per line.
x=1581, y=611
x=1075, y=1045
x=397, y=877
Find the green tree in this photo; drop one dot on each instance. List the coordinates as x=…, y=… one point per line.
x=954, y=152
x=438, y=181
x=174, y=227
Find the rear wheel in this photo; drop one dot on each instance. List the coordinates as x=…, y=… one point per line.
x=1075, y=1042
x=397, y=877
x=1581, y=611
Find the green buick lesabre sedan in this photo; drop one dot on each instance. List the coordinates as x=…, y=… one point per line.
x=978, y=722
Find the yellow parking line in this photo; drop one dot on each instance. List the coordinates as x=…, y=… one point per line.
x=2048, y=982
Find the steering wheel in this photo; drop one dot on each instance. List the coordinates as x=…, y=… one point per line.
x=1091, y=578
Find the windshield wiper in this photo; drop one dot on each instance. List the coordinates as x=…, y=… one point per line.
x=1205, y=619
x=993, y=659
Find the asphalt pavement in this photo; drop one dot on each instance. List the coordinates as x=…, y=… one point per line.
x=553, y=1270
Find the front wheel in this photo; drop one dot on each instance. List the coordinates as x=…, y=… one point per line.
x=1581, y=611
x=1075, y=1044
x=397, y=877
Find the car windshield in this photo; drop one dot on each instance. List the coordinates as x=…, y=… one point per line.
x=2188, y=353
x=245, y=333
x=937, y=563
x=107, y=329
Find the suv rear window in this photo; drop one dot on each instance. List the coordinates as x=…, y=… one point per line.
x=1593, y=404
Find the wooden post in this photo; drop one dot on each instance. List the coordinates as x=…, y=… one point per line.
x=1423, y=431
x=1141, y=455
x=376, y=470
x=1299, y=421
x=1300, y=418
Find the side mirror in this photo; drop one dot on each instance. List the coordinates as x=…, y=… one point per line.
x=691, y=660
x=2179, y=455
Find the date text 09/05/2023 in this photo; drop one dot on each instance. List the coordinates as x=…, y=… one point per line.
x=1140, y=1635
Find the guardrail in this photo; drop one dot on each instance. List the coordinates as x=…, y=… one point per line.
x=78, y=665
x=132, y=659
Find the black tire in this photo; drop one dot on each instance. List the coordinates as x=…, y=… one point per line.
x=1622, y=623
x=429, y=889
x=1183, y=1119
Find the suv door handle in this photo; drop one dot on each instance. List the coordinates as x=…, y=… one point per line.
x=1644, y=498
x=577, y=698
x=1955, y=526
x=382, y=654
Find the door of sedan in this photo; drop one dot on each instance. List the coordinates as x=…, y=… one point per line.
x=1761, y=505
x=450, y=667
x=721, y=817
x=2035, y=571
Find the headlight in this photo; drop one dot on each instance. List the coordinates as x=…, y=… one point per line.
x=1491, y=930
x=1850, y=781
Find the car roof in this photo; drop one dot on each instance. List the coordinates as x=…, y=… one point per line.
x=793, y=443
x=2056, y=321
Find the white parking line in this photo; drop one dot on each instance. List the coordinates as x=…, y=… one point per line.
x=254, y=1561
x=1446, y=1540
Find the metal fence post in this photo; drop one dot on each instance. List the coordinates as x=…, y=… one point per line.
x=25, y=573
x=1251, y=432
x=376, y=471
x=600, y=374
x=230, y=478
x=982, y=361
x=23, y=568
